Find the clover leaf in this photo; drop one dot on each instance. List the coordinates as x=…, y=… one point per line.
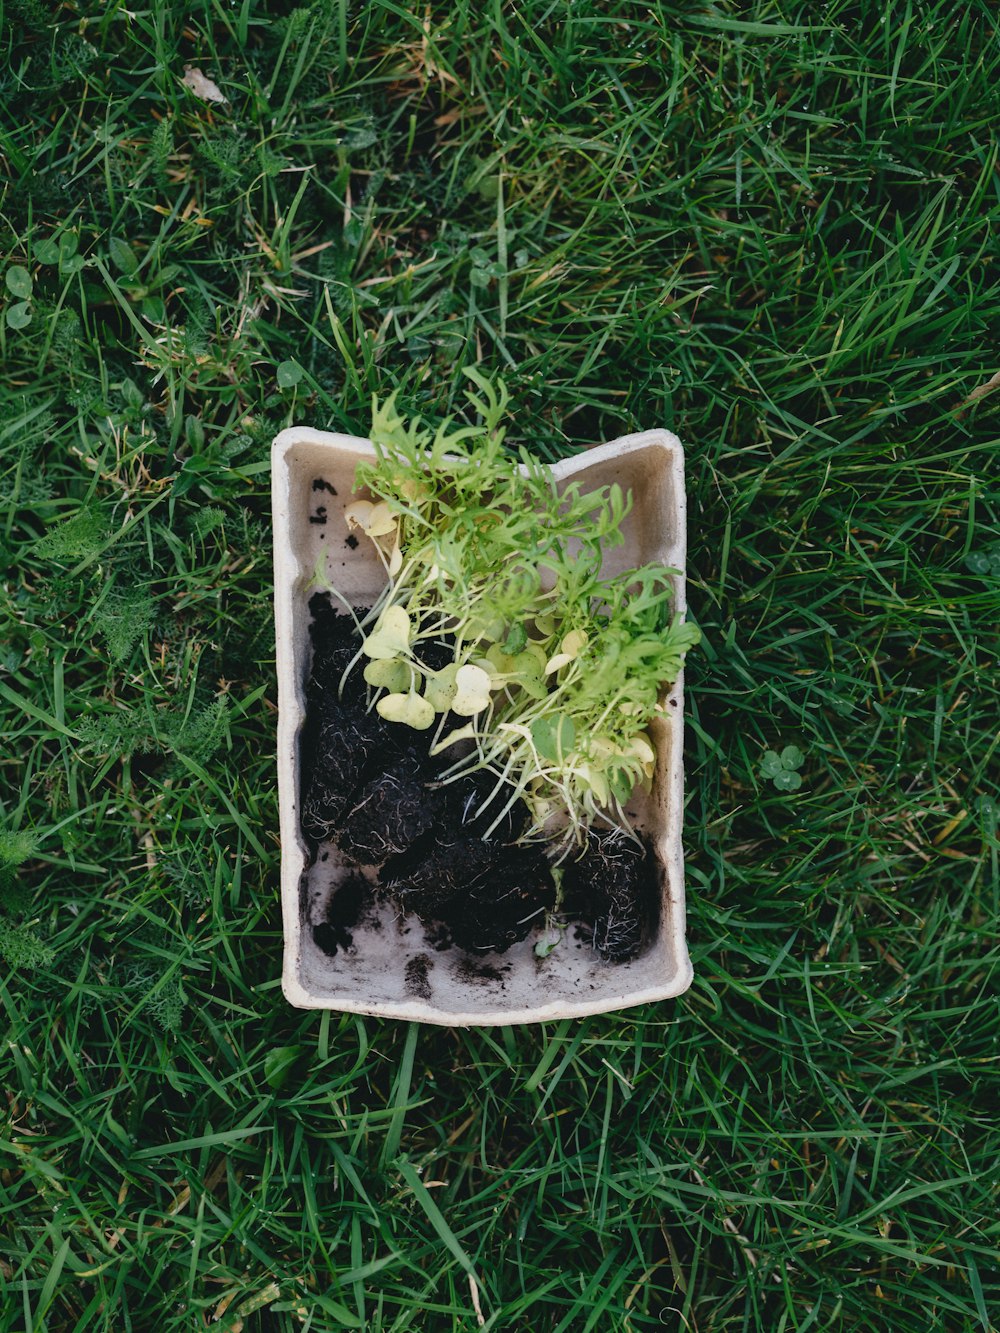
x=781, y=768
x=986, y=563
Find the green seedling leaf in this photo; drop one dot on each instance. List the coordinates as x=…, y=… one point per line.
x=529, y=672
x=391, y=636
x=466, y=733
x=517, y=638
x=392, y=674
x=123, y=618
x=20, y=947
x=547, y=941
x=377, y=520
x=441, y=688
x=18, y=316
x=502, y=663
x=194, y=433
x=597, y=781
x=409, y=709
x=288, y=374
x=19, y=282
x=524, y=670
x=574, y=643
x=643, y=750
x=472, y=691
x=554, y=737
x=487, y=625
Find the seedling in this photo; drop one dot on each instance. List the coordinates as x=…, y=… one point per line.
x=556, y=671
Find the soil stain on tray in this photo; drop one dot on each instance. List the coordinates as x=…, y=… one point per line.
x=417, y=972
x=343, y=913
x=482, y=973
x=371, y=787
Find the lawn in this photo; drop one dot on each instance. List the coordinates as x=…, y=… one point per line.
x=769, y=227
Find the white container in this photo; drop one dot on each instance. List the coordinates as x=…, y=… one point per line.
x=392, y=970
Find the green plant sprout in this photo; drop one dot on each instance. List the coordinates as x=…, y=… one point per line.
x=556, y=671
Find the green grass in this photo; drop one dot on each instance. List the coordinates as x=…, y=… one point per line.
x=769, y=227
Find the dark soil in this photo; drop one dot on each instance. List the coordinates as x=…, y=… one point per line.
x=614, y=885
x=370, y=787
x=390, y=813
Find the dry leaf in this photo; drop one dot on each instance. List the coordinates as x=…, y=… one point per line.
x=980, y=391
x=201, y=86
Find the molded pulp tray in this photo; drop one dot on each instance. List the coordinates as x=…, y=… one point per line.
x=392, y=970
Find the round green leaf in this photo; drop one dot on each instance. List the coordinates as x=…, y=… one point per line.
x=472, y=690
x=289, y=373
x=792, y=757
x=787, y=781
x=390, y=673
x=19, y=282
x=18, y=316
x=770, y=764
x=47, y=252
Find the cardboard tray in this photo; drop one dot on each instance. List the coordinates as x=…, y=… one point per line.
x=392, y=970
